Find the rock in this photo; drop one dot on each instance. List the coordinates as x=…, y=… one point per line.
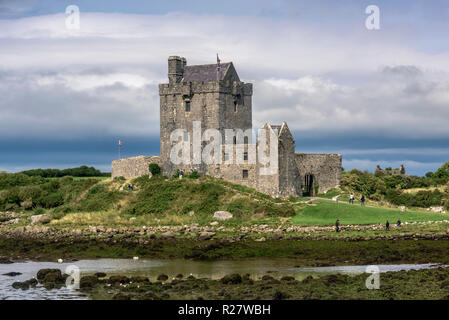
x=279, y=295
x=206, y=235
x=4, y=260
x=118, y=279
x=277, y=235
x=179, y=276
x=261, y=239
x=21, y=285
x=13, y=221
x=51, y=273
x=402, y=208
x=267, y=278
x=309, y=202
x=162, y=277
x=222, y=215
x=438, y=209
x=287, y=278
x=100, y=274
x=121, y=296
x=191, y=213
x=234, y=278
x=12, y=274
x=214, y=223
x=88, y=282
x=139, y=279
x=335, y=198
x=168, y=235
x=40, y=218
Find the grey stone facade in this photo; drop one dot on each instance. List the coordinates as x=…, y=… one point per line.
x=219, y=100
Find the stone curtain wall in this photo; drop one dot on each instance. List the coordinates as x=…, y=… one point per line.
x=326, y=169
x=133, y=167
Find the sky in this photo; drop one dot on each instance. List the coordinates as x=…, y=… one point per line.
x=374, y=96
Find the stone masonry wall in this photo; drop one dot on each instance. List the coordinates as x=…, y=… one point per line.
x=326, y=169
x=133, y=167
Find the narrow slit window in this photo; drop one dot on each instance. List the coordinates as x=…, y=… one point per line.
x=245, y=155
x=245, y=174
x=187, y=106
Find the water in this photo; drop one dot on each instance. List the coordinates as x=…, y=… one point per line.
x=152, y=268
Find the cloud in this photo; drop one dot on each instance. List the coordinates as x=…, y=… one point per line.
x=102, y=80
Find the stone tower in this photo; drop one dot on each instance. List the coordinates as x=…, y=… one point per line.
x=215, y=98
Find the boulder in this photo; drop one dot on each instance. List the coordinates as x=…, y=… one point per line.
x=88, y=282
x=206, y=235
x=234, y=278
x=438, y=209
x=402, y=208
x=43, y=273
x=168, y=235
x=40, y=218
x=4, y=260
x=277, y=235
x=100, y=274
x=222, y=215
x=12, y=274
x=162, y=277
x=118, y=279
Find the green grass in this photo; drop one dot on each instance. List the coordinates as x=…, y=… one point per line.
x=327, y=212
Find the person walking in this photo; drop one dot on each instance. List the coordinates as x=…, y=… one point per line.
x=362, y=200
x=337, y=226
x=180, y=174
x=398, y=224
x=130, y=187
x=387, y=226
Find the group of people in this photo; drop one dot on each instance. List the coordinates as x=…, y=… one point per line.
x=387, y=225
x=352, y=198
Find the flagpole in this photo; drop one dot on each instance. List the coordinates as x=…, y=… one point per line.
x=119, y=145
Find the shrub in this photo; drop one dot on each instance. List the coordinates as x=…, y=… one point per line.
x=154, y=169
x=193, y=175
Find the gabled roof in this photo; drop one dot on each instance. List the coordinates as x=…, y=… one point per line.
x=276, y=127
x=205, y=72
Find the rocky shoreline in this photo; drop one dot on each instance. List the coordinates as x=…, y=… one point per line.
x=394, y=285
x=260, y=232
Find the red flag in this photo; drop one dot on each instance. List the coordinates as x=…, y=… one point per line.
x=120, y=142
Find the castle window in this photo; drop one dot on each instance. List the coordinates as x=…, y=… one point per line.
x=246, y=140
x=235, y=140
x=245, y=155
x=187, y=106
x=245, y=174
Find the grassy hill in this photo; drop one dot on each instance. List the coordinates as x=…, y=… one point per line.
x=170, y=201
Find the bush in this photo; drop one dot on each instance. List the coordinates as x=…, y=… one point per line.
x=193, y=175
x=154, y=169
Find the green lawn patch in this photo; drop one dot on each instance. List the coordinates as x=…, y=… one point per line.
x=327, y=212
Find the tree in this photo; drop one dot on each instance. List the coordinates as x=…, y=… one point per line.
x=154, y=169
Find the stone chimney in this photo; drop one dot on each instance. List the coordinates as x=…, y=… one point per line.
x=176, y=68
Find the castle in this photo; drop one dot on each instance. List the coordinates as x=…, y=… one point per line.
x=199, y=98
x=390, y=171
